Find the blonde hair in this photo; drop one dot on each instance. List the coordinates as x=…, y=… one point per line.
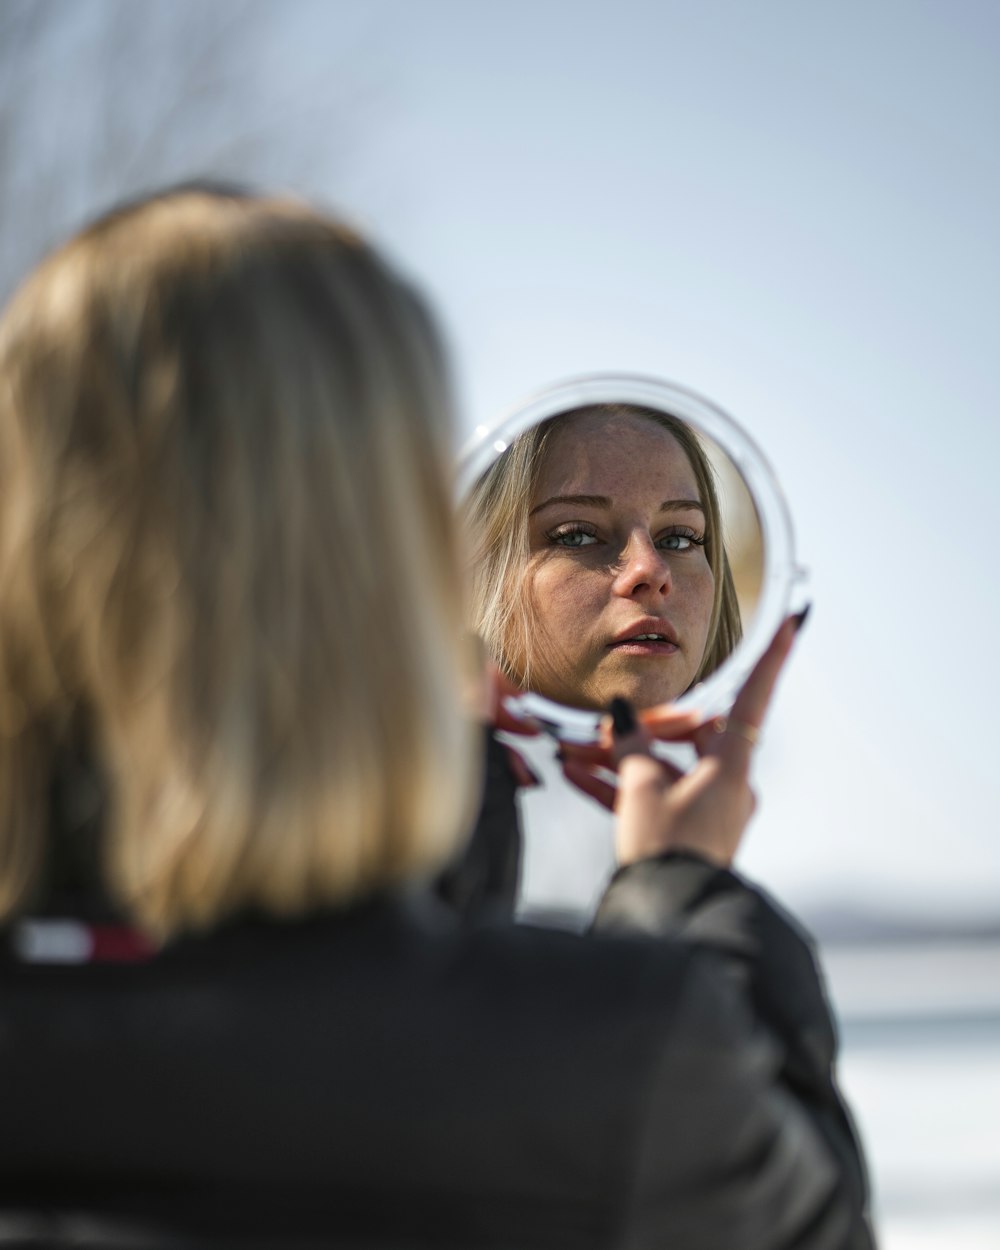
x=226, y=542
x=496, y=514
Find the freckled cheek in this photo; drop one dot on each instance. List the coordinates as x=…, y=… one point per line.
x=566, y=604
x=707, y=600
x=695, y=589
x=565, y=599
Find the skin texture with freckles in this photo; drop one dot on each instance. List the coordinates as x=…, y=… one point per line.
x=615, y=536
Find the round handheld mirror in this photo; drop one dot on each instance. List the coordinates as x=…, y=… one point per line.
x=626, y=537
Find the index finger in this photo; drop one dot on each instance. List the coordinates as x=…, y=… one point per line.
x=753, y=700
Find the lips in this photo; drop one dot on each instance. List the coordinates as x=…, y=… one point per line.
x=649, y=631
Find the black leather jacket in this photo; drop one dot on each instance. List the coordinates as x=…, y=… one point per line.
x=391, y=1077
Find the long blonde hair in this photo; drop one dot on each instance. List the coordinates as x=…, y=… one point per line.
x=496, y=516
x=226, y=540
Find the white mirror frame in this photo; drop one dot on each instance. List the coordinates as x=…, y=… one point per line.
x=782, y=577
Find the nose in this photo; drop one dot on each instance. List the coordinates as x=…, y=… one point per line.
x=643, y=568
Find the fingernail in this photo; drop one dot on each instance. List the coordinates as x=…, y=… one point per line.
x=800, y=617
x=622, y=716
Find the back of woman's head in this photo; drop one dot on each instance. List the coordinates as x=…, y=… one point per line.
x=226, y=550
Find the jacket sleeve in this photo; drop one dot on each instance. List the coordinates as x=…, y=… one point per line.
x=769, y=1080
x=482, y=883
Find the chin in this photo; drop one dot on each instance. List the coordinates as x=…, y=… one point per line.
x=642, y=694
x=654, y=699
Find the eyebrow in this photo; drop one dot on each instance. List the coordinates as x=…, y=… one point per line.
x=602, y=501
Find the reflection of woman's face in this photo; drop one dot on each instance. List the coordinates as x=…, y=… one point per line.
x=619, y=587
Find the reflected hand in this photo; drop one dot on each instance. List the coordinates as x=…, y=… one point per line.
x=500, y=716
x=584, y=763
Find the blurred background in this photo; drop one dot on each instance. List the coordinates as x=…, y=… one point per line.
x=790, y=207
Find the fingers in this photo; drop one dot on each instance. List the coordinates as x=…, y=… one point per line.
x=582, y=776
x=668, y=724
x=628, y=737
x=500, y=688
x=733, y=738
x=524, y=776
x=664, y=723
x=752, y=702
x=671, y=725
x=629, y=751
x=588, y=752
x=513, y=723
x=642, y=827
x=631, y=740
x=729, y=739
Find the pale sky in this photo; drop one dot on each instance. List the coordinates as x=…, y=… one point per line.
x=791, y=208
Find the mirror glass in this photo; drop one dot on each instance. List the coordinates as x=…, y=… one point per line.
x=625, y=536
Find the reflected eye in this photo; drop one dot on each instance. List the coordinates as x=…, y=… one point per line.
x=572, y=536
x=679, y=540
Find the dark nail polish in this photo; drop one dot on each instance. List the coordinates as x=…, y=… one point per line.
x=622, y=716
x=800, y=617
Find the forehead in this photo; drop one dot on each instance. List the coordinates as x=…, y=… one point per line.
x=594, y=453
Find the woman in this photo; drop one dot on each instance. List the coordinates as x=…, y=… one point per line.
x=597, y=561
x=233, y=749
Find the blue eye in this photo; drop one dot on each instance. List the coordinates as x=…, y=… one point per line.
x=572, y=536
x=679, y=540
